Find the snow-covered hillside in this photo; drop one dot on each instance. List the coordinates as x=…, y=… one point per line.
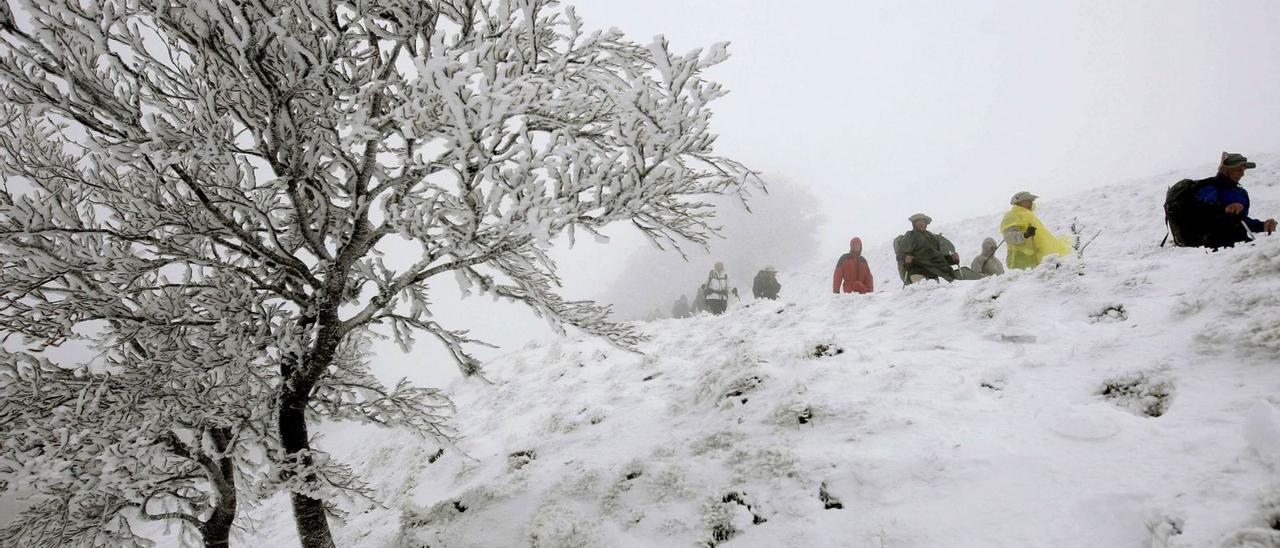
x=1124, y=398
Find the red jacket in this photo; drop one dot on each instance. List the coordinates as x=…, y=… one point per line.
x=852, y=271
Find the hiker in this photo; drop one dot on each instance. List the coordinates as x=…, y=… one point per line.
x=1224, y=211
x=699, y=300
x=852, y=272
x=986, y=263
x=681, y=308
x=717, y=294
x=1029, y=241
x=766, y=285
x=924, y=255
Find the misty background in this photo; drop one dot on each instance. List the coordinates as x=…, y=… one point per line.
x=780, y=229
x=862, y=113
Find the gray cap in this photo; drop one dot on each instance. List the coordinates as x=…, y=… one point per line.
x=920, y=217
x=1021, y=196
x=1231, y=159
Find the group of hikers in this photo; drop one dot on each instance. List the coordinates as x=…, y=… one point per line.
x=1211, y=213
x=713, y=295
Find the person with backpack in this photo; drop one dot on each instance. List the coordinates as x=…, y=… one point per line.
x=1029, y=241
x=986, y=263
x=681, y=308
x=1219, y=216
x=852, y=274
x=717, y=294
x=924, y=255
x=766, y=285
x=699, y=300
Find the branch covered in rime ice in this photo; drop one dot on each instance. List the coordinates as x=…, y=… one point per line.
x=206, y=192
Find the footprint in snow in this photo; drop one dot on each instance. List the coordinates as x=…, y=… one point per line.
x=1079, y=426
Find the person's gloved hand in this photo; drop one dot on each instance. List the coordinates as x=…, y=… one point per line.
x=1031, y=231
x=1269, y=225
x=1235, y=208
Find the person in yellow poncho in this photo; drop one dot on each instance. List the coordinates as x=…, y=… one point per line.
x=1029, y=241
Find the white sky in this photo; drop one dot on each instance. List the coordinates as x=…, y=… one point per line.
x=884, y=109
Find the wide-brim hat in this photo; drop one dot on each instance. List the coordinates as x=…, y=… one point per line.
x=1231, y=159
x=920, y=217
x=1021, y=197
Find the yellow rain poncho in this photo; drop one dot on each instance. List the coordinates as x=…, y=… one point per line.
x=1029, y=253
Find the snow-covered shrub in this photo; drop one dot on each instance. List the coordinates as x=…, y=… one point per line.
x=558, y=526
x=1109, y=313
x=727, y=517
x=1162, y=530
x=829, y=502
x=1252, y=538
x=1142, y=393
x=717, y=441
x=824, y=350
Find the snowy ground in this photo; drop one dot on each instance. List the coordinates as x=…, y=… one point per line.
x=1124, y=398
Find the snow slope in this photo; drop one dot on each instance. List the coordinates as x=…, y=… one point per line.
x=1123, y=398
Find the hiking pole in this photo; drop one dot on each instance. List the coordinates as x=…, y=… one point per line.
x=1095, y=236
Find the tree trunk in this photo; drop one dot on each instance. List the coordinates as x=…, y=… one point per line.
x=308, y=513
x=216, y=531
x=300, y=378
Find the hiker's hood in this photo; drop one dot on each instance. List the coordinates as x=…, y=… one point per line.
x=855, y=246
x=989, y=247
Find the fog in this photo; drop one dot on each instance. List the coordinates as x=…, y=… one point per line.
x=780, y=229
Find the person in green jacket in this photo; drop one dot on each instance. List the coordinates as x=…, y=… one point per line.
x=925, y=255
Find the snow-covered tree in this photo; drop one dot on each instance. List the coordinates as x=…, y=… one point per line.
x=221, y=182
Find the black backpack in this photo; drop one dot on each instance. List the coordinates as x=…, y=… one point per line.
x=1184, y=215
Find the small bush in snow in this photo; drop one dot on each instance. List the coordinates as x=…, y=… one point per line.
x=717, y=441
x=519, y=459
x=825, y=350
x=1142, y=393
x=828, y=502
x=1110, y=313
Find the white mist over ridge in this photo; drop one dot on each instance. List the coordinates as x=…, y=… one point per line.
x=1123, y=398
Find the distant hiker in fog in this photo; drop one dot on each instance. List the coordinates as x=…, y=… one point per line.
x=717, y=294
x=1217, y=215
x=699, y=300
x=766, y=285
x=1029, y=241
x=924, y=255
x=681, y=308
x=986, y=263
x=852, y=274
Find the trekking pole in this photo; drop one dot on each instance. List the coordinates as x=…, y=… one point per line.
x=1086, y=245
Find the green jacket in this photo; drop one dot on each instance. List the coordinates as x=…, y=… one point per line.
x=931, y=254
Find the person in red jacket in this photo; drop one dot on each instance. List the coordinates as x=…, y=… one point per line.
x=852, y=271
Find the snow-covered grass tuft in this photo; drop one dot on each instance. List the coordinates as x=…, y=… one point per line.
x=1142, y=393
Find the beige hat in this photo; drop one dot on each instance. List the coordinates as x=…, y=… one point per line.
x=1021, y=196
x=920, y=217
